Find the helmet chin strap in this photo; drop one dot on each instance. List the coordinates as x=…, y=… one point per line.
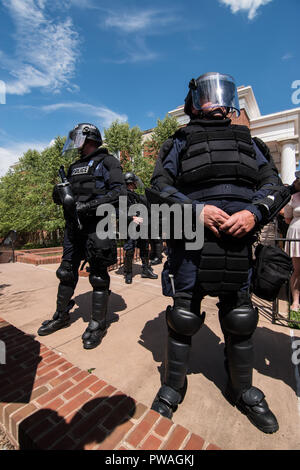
x=217, y=113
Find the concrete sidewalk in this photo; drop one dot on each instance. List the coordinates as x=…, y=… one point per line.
x=131, y=354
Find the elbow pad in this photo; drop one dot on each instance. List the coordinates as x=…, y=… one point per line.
x=166, y=196
x=269, y=206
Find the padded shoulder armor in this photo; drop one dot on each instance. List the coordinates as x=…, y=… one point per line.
x=263, y=148
x=165, y=148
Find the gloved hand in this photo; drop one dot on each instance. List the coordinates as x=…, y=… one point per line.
x=82, y=208
x=56, y=196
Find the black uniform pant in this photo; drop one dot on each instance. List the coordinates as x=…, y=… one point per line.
x=156, y=249
x=86, y=245
x=129, y=247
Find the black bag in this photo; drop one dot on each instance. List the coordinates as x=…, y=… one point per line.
x=272, y=268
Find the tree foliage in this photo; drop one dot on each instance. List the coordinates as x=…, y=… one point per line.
x=26, y=191
x=163, y=130
x=124, y=143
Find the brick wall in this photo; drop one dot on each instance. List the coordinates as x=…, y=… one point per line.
x=48, y=403
x=242, y=120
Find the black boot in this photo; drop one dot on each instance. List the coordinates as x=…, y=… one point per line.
x=182, y=316
x=128, y=267
x=167, y=400
x=172, y=393
x=147, y=271
x=59, y=320
x=93, y=335
x=97, y=327
x=239, y=359
x=252, y=403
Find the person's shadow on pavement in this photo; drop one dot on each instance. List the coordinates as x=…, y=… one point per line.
x=83, y=307
x=272, y=352
x=273, y=355
x=206, y=354
x=19, y=360
x=136, y=270
x=92, y=424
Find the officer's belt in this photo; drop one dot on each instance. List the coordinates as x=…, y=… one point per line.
x=223, y=191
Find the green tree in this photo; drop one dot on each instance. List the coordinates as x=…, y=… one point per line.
x=163, y=130
x=124, y=143
x=26, y=191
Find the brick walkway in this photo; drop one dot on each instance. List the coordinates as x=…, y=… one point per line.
x=48, y=403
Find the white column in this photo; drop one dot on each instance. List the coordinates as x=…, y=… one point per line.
x=288, y=161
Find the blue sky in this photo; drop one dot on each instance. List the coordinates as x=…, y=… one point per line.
x=69, y=61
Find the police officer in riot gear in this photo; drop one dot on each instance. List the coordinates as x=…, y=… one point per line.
x=215, y=163
x=95, y=179
x=132, y=181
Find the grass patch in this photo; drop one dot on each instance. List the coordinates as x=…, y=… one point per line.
x=34, y=246
x=296, y=317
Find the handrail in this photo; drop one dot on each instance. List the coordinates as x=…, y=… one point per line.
x=275, y=313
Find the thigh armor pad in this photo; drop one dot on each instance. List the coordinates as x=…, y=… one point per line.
x=224, y=265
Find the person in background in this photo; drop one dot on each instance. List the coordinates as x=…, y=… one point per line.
x=156, y=251
x=130, y=245
x=292, y=218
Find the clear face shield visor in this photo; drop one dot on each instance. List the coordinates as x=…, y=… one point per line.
x=75, y=141
x=215, y=90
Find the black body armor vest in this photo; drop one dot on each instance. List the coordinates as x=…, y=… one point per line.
x=217, y=152
x=81, y=176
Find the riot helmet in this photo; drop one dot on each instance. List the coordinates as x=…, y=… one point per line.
x=212, y=91
x=81, y=133
x=132, y=178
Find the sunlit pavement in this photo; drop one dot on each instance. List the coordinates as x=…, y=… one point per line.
x=130, y=356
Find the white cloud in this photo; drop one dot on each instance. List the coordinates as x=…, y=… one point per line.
x=104, y=115
x=142, y=21
x=10, y=154
x=46, y=48
x=68, y=4
x=134, y=51
x=250, y=6
x=287, y=56
x=133, y=27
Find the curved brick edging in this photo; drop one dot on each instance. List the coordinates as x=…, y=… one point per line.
x=48, y=403
x=35, y=257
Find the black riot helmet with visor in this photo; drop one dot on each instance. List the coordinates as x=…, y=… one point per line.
x=132, y=178
x=211, y=92
x=82, y=132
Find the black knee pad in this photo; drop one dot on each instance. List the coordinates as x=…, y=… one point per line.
x=99, y=281
x=181, y=320
x=240, y=321
x=65, y=273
